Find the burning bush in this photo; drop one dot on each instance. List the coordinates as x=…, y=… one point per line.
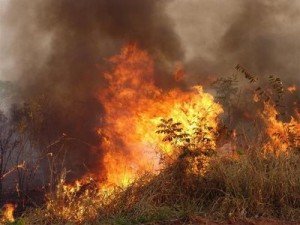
x=163, y=153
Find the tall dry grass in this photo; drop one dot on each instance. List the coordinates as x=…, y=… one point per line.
x=252, y=185
x=255, y=185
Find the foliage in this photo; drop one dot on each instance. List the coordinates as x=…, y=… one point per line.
x=199, y=141
x=227, y=89
x=173, y=132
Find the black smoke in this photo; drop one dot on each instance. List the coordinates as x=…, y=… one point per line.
x=59, y=50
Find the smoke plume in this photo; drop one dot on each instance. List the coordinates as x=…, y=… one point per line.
x=58, y=49
x=261, y=35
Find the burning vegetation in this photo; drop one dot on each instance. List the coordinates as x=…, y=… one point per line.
x=112, y=127
x=134, y=109
x=179, y=152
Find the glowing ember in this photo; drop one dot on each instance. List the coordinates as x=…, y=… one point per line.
x=255, y=97
x=134, y=107
x=179, y=72
x=8, y=213
x=292, y=88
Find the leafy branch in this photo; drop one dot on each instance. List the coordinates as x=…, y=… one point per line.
x=173, y=132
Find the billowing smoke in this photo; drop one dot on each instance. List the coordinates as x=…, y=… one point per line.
x=261, y=35
x=58, y=49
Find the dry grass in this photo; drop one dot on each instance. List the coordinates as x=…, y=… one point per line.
x=255, y=185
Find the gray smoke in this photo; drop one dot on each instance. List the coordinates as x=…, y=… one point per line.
x=261, y=35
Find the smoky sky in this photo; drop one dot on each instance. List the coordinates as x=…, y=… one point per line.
x=211, y=36
x=58, y=47
x=262, y=35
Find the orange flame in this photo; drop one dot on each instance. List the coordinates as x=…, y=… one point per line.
x=134, y=106
x=8, y=213
x=283, y=136
x=292, y=88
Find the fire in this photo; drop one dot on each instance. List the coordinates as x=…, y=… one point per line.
x=8, y=213
x=134, y=107
x=283, y=136
x=136, y=110
x=292, y=88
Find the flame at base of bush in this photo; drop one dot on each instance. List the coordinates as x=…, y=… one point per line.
x=145, y=129
x=134, y=107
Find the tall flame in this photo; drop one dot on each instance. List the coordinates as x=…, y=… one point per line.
x=134, y=106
